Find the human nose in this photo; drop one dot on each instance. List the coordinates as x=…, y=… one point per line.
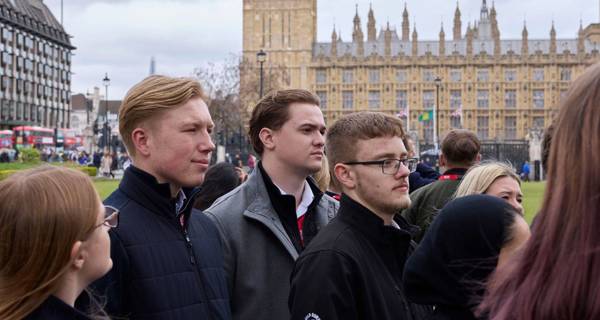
x=402, y=170
x=206, y=144
x=518, y=206
x=320, y=139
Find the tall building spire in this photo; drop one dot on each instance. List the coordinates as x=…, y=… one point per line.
x=334, y=40
x=388, y=40
x=552, y=39
x=357, y=34
x=405, y=24
x=152, y=66
x=484, y=12
x=442, y=42
x=415, y=41
x=524, y=41
x=371, y=31
x=457, y=24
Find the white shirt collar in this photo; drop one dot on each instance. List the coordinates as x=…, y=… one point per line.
x=307, y=198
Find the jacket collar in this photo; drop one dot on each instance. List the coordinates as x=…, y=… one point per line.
x=260, y=209
x=369, y=224
x=143, y=188
x=457, y=171
x=54, y=308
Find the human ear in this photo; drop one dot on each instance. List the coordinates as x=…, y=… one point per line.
x=266, y=137
x=442, y=160
x=140, y=138
x=78, y=255
x=344, y=176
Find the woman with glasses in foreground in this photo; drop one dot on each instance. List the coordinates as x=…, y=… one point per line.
x=53, y=242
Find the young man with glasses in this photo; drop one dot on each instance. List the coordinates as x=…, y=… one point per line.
x=353, y=267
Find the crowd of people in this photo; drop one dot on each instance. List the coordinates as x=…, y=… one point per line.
x=338, y=222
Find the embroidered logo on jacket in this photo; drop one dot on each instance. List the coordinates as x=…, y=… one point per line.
x=312, y=316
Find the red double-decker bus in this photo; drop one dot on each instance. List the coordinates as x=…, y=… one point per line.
x=27, y=137
x=68, y=139
x=6, y=139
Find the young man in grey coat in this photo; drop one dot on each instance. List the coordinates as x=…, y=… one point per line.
x=267, y=221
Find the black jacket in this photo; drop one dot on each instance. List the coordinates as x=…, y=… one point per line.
x=160, y=269
x=421, y=177
x=55, y=309
x=353, y=270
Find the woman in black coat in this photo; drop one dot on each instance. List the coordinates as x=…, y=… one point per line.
x=469, y=238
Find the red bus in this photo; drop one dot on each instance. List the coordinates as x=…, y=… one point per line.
x=6, y=139
x=27, y=137
x=67, y=139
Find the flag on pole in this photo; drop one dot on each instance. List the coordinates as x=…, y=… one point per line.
x=426, y=116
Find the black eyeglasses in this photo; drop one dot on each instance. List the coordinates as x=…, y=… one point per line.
x=111, y=217
x=390, y=166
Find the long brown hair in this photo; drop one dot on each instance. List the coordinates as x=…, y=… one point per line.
x=43, y=212
x=557, y=275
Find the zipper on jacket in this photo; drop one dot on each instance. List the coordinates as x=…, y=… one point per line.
x=189, y=246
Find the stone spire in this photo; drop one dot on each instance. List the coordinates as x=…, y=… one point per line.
x=334, y=41
x=524, y=40
x=580, y=39
x=484, y=15
x=415, y=41
x=371, y=31
x=469, y=36
x=405, y=24
x=494, y=22
x=552, y=39
x=457, y=24
x=387, y=34
x=357, y=34
x=442, y=44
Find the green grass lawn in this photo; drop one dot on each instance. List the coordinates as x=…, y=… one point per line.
x=533, y=194
x=105, y=186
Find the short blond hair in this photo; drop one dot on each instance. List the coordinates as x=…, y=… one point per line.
x=348, y=130
x=152, y=97
x=479, y=178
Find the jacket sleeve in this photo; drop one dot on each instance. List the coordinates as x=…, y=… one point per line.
x=110, y=289
x=322, y=287
x=228, y=255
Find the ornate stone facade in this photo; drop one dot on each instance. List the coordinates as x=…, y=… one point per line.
x=499, y=88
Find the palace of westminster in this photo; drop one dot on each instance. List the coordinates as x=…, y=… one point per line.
x=502, y=89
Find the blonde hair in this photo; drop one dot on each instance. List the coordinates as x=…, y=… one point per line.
x=479, y=178
x=322, y=177
x=43, y=212
x=150, y=98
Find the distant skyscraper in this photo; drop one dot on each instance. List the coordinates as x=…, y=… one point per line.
x=152, y=66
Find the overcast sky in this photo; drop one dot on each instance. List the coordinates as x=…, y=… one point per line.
x=119, y=37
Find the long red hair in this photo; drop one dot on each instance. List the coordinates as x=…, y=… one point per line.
x=557, y=275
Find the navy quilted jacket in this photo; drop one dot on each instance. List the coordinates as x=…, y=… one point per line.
x=160, y=269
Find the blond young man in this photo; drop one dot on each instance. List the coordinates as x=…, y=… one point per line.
x=267, y=221
x=353, y=267
x=168, y=262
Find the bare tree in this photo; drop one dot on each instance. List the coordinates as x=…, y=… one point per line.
x=231, y=88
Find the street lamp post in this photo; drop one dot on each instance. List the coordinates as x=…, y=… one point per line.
x=261, y=56
x=106, y=82
x=438, y=82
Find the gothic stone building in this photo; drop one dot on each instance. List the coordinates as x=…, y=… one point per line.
x=35, y=66
x=499, y=88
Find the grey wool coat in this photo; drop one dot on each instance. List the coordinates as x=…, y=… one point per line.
x=259, y=255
